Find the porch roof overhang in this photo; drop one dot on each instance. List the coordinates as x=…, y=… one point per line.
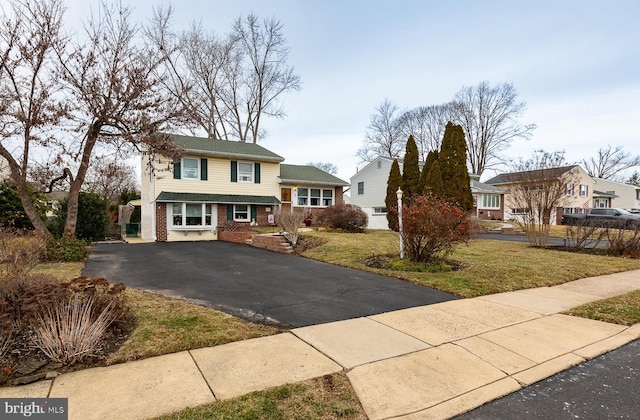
x=177, y=197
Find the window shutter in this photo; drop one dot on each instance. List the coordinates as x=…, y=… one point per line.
x=176, y=170
x=254, y=213
x=229, y=211
x=257, y=173
x=203, y=169
x=234, y=171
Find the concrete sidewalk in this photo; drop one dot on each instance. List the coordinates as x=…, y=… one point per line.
x=434, y=361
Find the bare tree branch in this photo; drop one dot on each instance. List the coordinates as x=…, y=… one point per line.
x=384, y=136
x=610, y=163
x=490, y=119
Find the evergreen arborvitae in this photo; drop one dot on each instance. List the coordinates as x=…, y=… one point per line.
x=432, y=156
x=410, y=170
x=391, y=200
x=434, y=183
x=453, y=166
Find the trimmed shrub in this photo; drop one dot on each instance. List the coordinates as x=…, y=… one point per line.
x=346, y=217
x=67, y=249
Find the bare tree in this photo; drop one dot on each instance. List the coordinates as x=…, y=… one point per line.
x=490, y=119
x=29, y=105
x=609, y=163
x=384, y=136
x=634, y=179
x=118, y=101
x=227, y=84
x=325, y=166
x=426, y=124
x=109, y=178
x=539, y=187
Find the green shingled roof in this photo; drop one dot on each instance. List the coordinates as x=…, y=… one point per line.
x=175, y=197
x=225, y=148
x=308, y=175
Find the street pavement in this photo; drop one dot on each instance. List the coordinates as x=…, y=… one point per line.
x=602, y=388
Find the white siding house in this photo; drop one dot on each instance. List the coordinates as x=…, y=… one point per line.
x=625, y=196
x=369, y=189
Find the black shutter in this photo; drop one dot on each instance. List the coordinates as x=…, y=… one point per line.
x=203, y=169
x=229, y=211
x=257, y=173
x=176, y=170
x=234, y=171
x=254, y=213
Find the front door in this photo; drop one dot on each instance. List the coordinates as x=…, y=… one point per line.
x=285, y=198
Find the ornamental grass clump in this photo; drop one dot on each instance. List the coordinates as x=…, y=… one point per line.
x=68, y=332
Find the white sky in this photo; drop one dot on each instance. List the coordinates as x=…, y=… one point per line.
x=575, y=63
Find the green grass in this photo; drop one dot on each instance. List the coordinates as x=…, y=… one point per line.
x=165, y=325
x=491, y=266
x=623, y=310
x=329, y=397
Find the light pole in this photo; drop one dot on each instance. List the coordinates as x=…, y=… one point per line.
x=399, y=195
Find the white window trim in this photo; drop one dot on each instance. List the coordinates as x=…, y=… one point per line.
x=184, y=226
x=308, y=197
x=248, y=211
x=484, y=197
x=183, y=167
x=253, y=172
x=584, y=190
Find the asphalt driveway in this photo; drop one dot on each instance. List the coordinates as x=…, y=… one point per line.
x=255, y=284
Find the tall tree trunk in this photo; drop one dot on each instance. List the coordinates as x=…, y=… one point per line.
x=76, y=183
x=20, y=181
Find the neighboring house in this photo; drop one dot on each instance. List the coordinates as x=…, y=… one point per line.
x=623, y=196
x=53, y=201
x=219, y=181
x=369, y=189
x=578, y=197
x=488, y=200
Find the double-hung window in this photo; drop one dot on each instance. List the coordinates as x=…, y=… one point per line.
x=190, y=168
x=327, y=198
x=569, y=189
x=241, y=213
x=584, y=190
x=245, y=172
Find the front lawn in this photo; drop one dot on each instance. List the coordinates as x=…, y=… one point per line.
x=490, y=266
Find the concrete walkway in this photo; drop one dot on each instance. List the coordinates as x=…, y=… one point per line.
x=433, y=361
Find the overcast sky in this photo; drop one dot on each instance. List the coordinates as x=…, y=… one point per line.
x=575, y=63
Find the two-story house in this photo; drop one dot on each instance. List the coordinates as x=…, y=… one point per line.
x=624, y=196
x=369, y=189
x=578, y=190
x=217, y=181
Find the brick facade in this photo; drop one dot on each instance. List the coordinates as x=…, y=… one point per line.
x=161, y=222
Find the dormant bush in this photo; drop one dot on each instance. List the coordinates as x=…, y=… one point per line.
x=432, y=227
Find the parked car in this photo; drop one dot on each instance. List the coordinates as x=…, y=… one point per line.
x=618, y=218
